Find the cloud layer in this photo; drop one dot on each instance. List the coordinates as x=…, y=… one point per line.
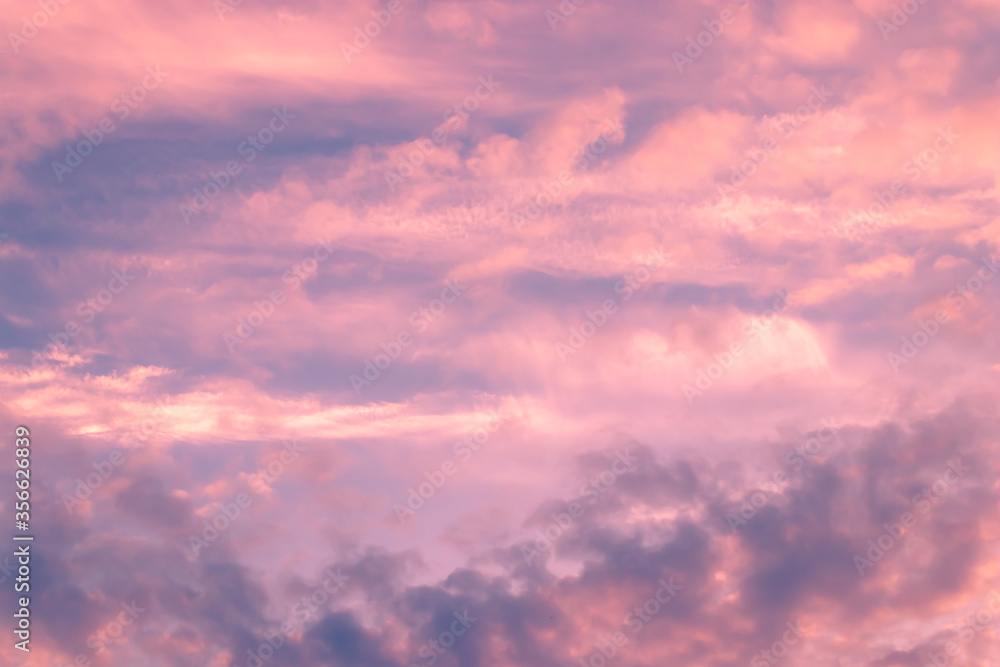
x=504, y=333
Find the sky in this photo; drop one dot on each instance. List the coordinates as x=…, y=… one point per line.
x=502, y=333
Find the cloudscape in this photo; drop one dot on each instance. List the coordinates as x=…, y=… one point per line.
x=535, y=333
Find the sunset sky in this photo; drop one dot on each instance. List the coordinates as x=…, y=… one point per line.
x=507, y=333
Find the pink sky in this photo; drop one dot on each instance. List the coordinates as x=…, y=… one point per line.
x=518, y=311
